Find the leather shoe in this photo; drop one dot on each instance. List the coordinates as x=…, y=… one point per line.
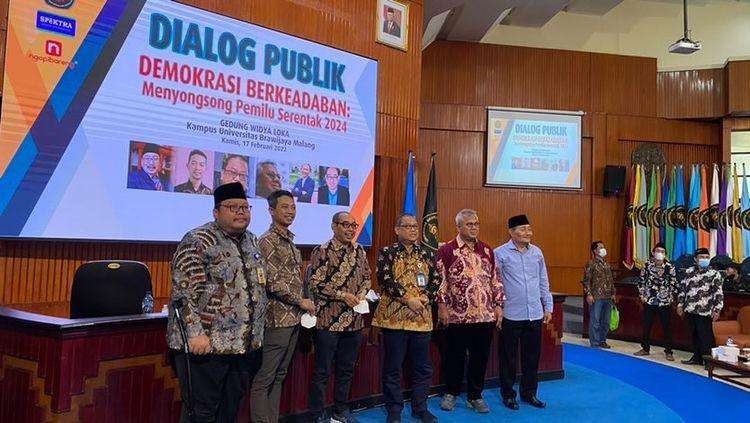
x=533, y=401
x=691, y=362
x=511, y=403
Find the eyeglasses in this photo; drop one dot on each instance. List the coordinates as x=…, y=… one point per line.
x=472, y=224
x=347, y=225
x=274, y=175
x=331, y=177
x=234, y=208
x=234, y=175
x=411, y=227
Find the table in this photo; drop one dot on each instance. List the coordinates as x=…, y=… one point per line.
x=740, y=370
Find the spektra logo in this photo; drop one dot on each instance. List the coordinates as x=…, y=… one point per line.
x=62, y=4
x=55, y=23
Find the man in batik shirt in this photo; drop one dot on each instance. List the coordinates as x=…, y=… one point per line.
x=409, y=279
x=339, y=281
x=470, y=303
x=599, y=291
x=286, y=304
x=218, y=281
x=657, y=286
x=700, y=297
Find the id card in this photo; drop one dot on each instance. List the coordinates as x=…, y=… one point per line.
x=421, y=280
x=261, y=275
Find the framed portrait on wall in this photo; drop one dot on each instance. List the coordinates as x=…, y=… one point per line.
x=392, y=24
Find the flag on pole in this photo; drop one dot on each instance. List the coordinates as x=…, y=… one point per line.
x=745, y=214
x=729, y=221
x=642, y=233
x=704, y=236
x=429, y=214
x=680, y=215
x=627, y=238
x=664, y=206
x=654, y=201
x=721, y=243
x=738, y=251
x=669, y=215
x=691, y=231
x=713, y=213
x=410, y=189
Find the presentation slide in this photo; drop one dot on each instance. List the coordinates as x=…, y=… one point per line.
x=120, y=118
x=537, y=149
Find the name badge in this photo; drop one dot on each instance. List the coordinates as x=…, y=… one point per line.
x=421, y=279
x=261, y=275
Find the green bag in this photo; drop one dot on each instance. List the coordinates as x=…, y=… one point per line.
x=614, y=319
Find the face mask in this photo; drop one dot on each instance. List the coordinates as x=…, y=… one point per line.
x=659, y=256
x=602, y=252
x=703, y=263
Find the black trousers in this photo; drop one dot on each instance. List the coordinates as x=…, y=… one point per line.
x=529, y=334
x=398, y=345
x=475, y=338
x=702, y=331
x=649, y=311
x=219, y=383
x=342, y=347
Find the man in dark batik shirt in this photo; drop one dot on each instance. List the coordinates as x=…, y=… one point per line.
x=410, y=281
x=657, y=286
x=339, y=281
x=700, y=297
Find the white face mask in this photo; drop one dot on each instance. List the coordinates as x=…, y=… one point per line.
x=659, y=256
x=602, y=252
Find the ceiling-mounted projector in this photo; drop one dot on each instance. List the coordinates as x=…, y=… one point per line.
x=685, y=45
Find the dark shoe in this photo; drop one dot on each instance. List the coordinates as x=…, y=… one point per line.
x=393, y=418
x=641, y=352
x=669, y=356
x=322, y=419
x=343, y=418
x=479, y=405
x=511, y=403
x=605, y=345
x=425, y=417
x=448, y=403
x=692, y=361
x=533, y=401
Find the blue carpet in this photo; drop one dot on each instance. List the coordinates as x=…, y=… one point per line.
x=608, y=387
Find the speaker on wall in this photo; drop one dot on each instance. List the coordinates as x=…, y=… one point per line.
x=614, y=180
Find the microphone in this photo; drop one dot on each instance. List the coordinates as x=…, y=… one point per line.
x=178, y=304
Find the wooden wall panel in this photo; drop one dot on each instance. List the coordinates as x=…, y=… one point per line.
x=696, y=93
x=33, y=272
x=624, y=85
x=738, y=87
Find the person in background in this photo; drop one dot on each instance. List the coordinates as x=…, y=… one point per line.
x=305, y=185
x=234, y=168
x=657, y=286
x=599, y=291
x=196, y=166
x=267, y=179
x=470, y=303
x=528, y=305
x=148, y=176
x=700, y=299
x=286, y=304
x=731, y=278
x=219, y=277
x=410, y=281
x=339, y=281
x=333, y=192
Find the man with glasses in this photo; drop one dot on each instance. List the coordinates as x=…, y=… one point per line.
x=339, y=281
x=470, y=305
x=528, y=305
x=286, y=304
x=147, y=177
x=267, y=179
x=234, y=169
x=409, y=279
x=218, y=282
x=332, y=192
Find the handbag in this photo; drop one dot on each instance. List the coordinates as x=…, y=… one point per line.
x=614, y=319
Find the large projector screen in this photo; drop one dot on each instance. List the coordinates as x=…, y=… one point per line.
x=533, y=148
x=119, y=118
